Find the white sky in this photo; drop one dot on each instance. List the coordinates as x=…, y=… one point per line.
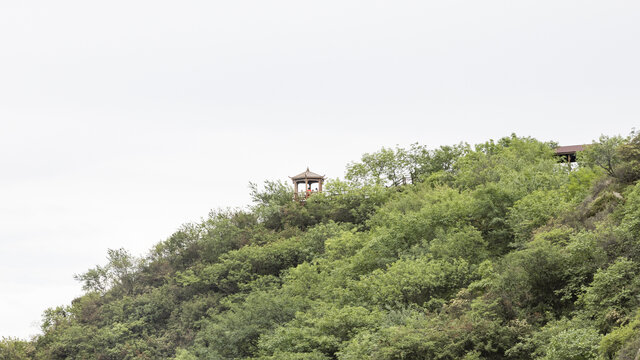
x=121, y=120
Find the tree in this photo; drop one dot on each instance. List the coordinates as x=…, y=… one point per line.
x=119, y=271
x=603, y=154
x=613, y=294
x=629, y=153
x=399, y=166
x=15, y=349
x=273, y=193
x=573, y=344
x=386, y=166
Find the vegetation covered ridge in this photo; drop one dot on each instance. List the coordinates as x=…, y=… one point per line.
x=492, y=251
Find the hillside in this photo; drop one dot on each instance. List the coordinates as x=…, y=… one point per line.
x=492, y=251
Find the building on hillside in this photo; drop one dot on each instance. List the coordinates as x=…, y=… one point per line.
x=312, y=183
x=568, y=153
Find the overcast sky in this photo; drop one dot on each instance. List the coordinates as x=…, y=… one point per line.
x=121, y=120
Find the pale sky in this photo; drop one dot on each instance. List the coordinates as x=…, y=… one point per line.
x=121, y=120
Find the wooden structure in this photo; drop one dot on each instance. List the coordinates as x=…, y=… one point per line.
x=568, y=153
x=307, y=178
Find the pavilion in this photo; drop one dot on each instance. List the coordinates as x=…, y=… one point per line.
x=568, y=153
x=307, y=178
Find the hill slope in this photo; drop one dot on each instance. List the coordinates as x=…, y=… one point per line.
x=491, y=252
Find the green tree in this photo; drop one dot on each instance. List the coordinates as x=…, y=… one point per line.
x=416, y=281
x=603, y=154
x=623, y=341
x=399, y=166
x=573, y=344
x=533, y=211
x=384, y=167
x=16, y=349
x=613, y=294
x=119, y=272
x=629, y=153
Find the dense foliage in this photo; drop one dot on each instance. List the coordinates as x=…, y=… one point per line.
x=496, y=251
